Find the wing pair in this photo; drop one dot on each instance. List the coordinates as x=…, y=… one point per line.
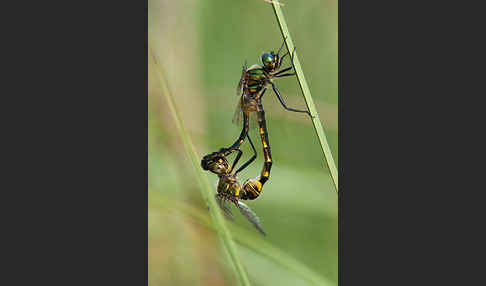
x=245, y=211
x=241, y=90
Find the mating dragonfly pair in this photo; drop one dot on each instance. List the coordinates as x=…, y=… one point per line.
x=253, y=84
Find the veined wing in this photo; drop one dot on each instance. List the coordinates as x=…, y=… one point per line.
x=243, y=79
x=238, y=114
x=251, y=216
x=240, y=92
x=238, y=117
x=226, y=210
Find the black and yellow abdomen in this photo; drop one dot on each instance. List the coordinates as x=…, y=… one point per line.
x=252, y=188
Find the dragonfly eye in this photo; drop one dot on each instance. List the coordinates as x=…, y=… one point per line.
x=267, y=59
x=216, y=164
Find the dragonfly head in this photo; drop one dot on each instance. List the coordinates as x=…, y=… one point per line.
x=216, y=163
x=270, y=61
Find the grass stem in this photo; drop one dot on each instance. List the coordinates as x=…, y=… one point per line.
x=307, y=94
x=206, y=189
x=246, y=238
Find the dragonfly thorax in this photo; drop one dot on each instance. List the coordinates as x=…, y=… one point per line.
x=229, y=188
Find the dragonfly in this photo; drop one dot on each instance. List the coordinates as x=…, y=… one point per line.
x=253, y=84
x=229, y=188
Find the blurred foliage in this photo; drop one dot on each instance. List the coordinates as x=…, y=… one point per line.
x=202, y=46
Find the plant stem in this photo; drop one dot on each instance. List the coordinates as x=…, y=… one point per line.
x=307, y=94
x=207, y=191
x=255, y=243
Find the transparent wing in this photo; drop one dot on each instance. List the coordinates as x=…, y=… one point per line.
x=251, y=216
x=240, y=91
x=226, y=210
x=242, y=82
x=238, y=114
x=253, y=120
x=238, y=117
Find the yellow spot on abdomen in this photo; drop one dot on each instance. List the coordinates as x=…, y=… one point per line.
x=258, y=185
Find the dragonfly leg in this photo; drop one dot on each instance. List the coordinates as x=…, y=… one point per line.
x=251, y=159
x=282, y=58
x=278, y=53
x=283, y=102
x=282, y=71
x=237, y=158
x=285, y=74
x=291, y=59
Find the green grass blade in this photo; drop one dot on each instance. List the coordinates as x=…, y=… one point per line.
x=206, y=189
x=307, y=94
x=249, y=240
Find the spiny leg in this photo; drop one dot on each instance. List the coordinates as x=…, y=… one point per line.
x=291, y=59
x=251, y=159
x=282, y=58
x=285, y=74
x=283, y=102
x=237, y=159
x=278, y=53
x=282, y=71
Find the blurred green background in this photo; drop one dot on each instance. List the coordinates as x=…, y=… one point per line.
x=201, y=46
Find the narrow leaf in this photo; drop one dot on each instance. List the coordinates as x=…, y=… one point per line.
x=307, y=94
x=206, y=189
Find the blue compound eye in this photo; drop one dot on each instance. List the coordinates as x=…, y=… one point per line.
x=267, y=58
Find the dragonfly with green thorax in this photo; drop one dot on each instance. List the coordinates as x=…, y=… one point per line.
x=254, y=82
